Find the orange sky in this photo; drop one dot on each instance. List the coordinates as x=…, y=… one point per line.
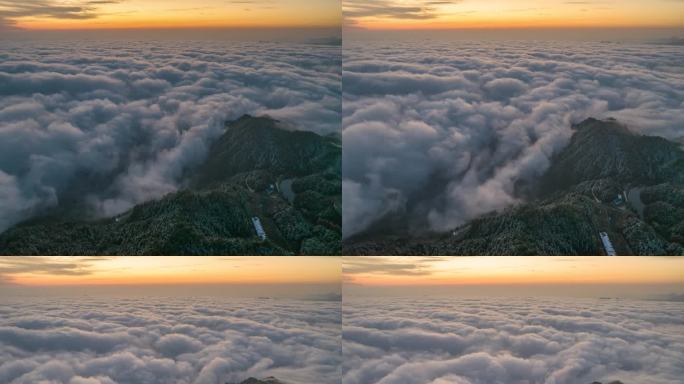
x=512, y=270
x=427, y=14
x=369, y=14
x=138, y=270
x=88, y=14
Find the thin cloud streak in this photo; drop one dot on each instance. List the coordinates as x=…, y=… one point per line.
x=388, y=9
x=496, y=271
x=74, y=266
x=400, y=266
x=10, y=11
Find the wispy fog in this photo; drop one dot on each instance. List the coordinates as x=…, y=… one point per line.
x=324, y=292
x=619, y=35
x=645, y=291
x=294, y=35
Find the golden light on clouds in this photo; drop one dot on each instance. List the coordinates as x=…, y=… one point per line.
x=431, y=14
x=138, y=270
x=512, y=270
x=94, y=14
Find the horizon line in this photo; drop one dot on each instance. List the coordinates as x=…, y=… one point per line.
x=513, y=27
x=89, y=284
x=352, y=283
x=173, y=28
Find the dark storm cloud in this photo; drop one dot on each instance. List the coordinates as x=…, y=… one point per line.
x=439, y=133
x=478, y=341
x=115, y=124
x=166, y=340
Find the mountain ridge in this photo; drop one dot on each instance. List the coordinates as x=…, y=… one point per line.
x=588, y=189
x=213, y=215
x=268, y=380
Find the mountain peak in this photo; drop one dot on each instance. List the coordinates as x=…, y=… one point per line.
x=248, y=119
x=268, y=380
x=609, y=124
x=264, y=144
x=607, y=149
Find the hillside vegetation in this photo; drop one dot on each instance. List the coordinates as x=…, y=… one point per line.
x=240, y=179
x=607, y=179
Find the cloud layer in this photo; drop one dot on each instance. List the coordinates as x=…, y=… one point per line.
x=88, y=340
x=484, y=341
x=111, y=123
x=437, y=133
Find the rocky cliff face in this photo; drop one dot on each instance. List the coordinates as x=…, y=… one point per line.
x=244, y=176
x=607, y=179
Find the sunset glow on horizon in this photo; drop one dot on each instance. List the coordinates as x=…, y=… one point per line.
x=159, y=14
x=424, y=271
x=138, y=270
x=503, y=14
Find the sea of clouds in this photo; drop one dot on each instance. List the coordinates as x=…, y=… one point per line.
x=438, y=132
x=112, y=123
x=87, y=340
x=505, y=340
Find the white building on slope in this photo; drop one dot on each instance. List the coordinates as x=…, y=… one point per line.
x=259, y=228
x=607, y=245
